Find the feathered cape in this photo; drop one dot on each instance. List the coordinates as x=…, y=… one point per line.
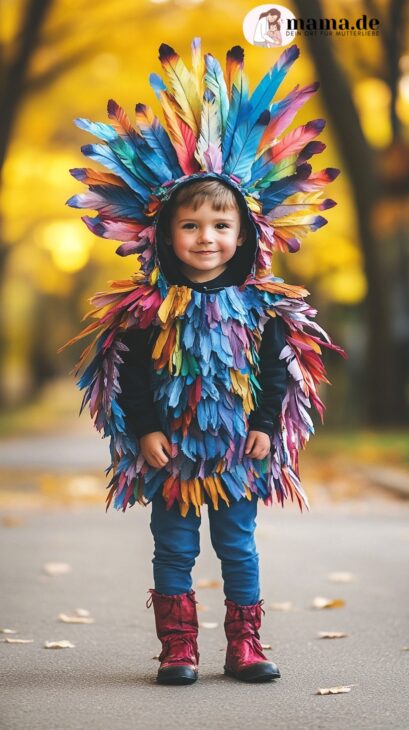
x=205, y=359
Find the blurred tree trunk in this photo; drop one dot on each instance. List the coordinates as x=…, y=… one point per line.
x=15, y=84
x=13, y=81
x=14, y=74
x=385, y=381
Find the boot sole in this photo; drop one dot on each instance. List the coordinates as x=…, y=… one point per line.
x=257, y=673
x=176, y=675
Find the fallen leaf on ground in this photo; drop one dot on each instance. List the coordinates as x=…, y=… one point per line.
x=332, y=634
x=208, y=624
x=341, y=577
x=321, y=602
x=64, y=644
x=202, y=607
x=8, y=631
x=67, y=619
x=156, y=656
x=82, y=612
x=18, y=641
x=266, y=646
x=284, y=606
x=57, y=568
x=12, y=521
x=405, y=648
x=334, y=690
x=207, y=583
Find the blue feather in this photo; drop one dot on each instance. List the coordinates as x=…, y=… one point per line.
x=214, y=81
x=282, y=189
x=105, y=156
x=245, y=143
x=148, y=167
x=114, y=201
x=266, y=89
x=158, y=140
x=157, y=84
x=98, y=129
x=239, y=108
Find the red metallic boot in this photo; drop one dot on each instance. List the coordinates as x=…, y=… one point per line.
x=177, y=629
x=244, y=657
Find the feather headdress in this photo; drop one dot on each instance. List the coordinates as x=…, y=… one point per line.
x=213, y=126
x=216, y=128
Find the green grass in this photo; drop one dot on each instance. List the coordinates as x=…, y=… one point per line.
x=369, y=445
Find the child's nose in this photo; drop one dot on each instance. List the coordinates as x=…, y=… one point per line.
x=206, y=234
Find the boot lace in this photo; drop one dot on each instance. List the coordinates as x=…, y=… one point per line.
x=175, y=600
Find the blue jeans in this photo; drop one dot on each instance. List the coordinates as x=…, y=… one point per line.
x=177, y=545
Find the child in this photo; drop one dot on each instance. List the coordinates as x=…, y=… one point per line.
x=203, y=371
x=205, y=229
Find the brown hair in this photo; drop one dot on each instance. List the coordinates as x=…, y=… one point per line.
x=272, y=11
x=198, y=192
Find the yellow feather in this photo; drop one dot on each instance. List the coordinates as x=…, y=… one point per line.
x=184, y=509
x=198, y=66
x=184, y=492
x=172, y=120
x=211, y=490
x=199, y=492
x=184, y=90
x=289, y=290
x=166, y=306
x=221, y=491
x=160, y=343
x=154, y=275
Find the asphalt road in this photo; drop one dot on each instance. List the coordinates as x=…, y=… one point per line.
x=107, y=680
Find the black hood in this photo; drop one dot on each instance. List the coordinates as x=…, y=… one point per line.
x=238, y=268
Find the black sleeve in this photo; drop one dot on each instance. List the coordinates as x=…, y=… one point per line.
x=273, y=378
x=136, y=399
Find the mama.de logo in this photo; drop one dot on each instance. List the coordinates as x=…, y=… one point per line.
x=271, y=26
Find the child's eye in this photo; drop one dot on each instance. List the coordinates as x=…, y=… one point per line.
x=189, y=226
x=222, y=225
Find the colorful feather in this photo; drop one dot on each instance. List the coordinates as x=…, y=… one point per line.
x=157, y=138
x=284, y=111
x=198, y=66
x=234, y=67
x=214, y=81
x=181, y=134
x=92, y=177
x=149, y=165
x=266, y=89
x=245, y=142
x=208, y=148
x=183, y=86
x=237, y=86
x=103, y=154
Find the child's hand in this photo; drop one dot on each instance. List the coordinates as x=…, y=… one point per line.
x=154, y=447
x=258, y=445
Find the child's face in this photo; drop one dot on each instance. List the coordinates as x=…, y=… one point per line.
x=204, y=240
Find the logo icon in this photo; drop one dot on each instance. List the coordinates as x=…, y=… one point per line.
x=267, y=26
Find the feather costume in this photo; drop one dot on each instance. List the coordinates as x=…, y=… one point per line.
x=205, y=359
